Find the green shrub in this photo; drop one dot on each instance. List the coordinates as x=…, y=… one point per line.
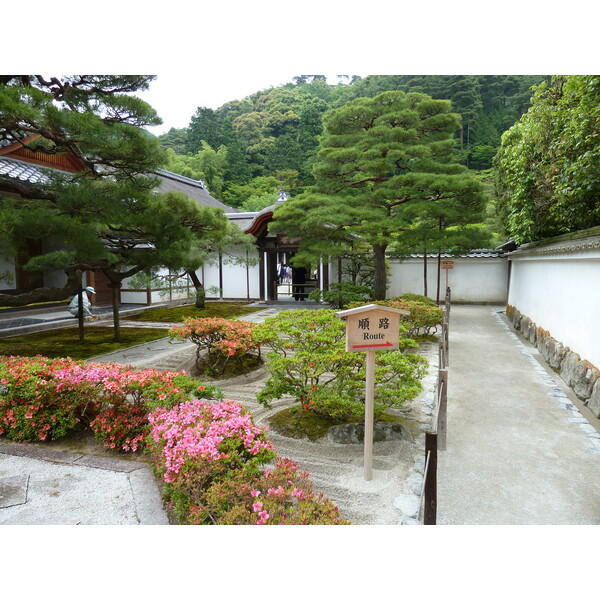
x=309, y=362
x=416, y=298
x=340, y=294
x=424, y=318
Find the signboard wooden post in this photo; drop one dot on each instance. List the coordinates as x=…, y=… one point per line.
x=368, y=329
x=447, y=265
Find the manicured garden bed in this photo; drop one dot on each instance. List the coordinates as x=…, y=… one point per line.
x=216, y=465
x=176, y=314
x=57, y=343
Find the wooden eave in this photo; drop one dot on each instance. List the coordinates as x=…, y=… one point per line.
x=62, y=162
x=259, y=227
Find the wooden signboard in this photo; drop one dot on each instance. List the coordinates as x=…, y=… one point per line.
x=368, y=329
x=447, y=264
x=375, y=329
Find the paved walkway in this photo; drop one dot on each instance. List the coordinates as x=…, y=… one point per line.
x=518, y=449
x=518, y=452
x=23, y=322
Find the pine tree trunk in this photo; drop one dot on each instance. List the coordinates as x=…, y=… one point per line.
x=80, y=313
x=200, y=291
x=425, y=271
x=380, y=279
x=116, y=288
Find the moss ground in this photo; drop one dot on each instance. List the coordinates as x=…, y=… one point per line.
x=293, y=422
x=232, y=368
x=176, y=314
x=65, y=342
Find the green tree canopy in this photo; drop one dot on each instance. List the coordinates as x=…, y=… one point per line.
x=106, y=217
x=384, y=163
x=279, y=128
x=547, y=177
x=207, y=165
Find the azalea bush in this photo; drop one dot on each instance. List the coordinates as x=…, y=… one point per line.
x=121, y=426
x=222, y=434
x=123, y=397
x=196, y=443
x=221, y=339
x=210, y=454
x=212, y=459
x=42, y=398
x=32, y=406
x=280, y=496
x=309, y=362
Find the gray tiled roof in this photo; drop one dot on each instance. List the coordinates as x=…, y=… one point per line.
x=23, y=171
x=194, y=188
x=476, y=253
x=245, y=220
x=242, y=219
x=31, y=174
x=7, y=139
x=579, y=241
x=182, y=178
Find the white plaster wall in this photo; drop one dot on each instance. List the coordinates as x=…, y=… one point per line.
x=472, y=280
x=561, y=294
x=209, y=276
x=133, y=297
x=51, y=278
x=235, y=282
x=164, y=296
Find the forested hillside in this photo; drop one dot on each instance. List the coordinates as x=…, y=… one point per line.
x=248, y=149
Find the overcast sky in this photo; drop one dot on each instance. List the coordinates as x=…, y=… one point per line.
x=207, y=54
x=176, y=108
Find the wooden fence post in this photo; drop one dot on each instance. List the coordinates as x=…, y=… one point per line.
x=446, y=342
x=444, y=346
x=430, y=507
x=443, y=410
x=442, y=354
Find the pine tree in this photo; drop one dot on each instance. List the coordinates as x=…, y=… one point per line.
x=105, y=217
x=384, y=164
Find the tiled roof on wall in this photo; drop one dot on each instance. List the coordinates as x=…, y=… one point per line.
x=33, y=174
x=23, y=171
x=476, y=253
x=584, y=240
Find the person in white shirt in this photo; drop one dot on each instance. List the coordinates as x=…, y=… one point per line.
x=87, y=305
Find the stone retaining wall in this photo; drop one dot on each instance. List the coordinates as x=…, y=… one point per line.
x=579, y=374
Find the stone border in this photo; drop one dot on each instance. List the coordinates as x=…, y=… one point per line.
x=579, y=374
x=105, y=463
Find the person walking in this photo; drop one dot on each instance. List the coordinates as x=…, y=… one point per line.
x=298, y=281
x=86, y=304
